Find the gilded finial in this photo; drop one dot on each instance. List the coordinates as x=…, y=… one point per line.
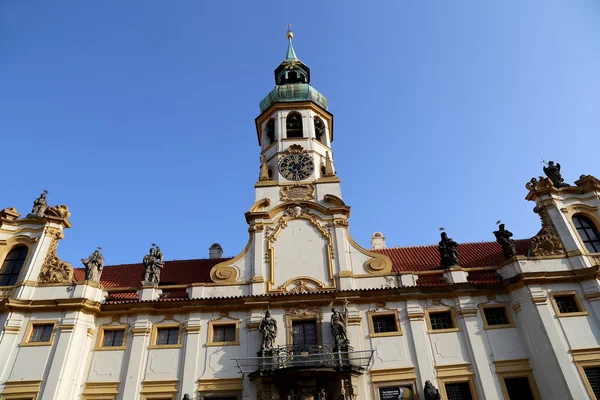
x=290, y=34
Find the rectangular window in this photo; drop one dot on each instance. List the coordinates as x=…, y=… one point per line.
x=384, y=323
x=593, y=376
x=441, y=320
x=495, y=316
x=113, y=338
x=165, y=336
x=224, y=333
x=41, y=333
x=518, y=388
x=458, y=391
x=566, y=304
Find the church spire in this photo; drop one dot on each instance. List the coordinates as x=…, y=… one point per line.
x=291, y=71
x=291, y=54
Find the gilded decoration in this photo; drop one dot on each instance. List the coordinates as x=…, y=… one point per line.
x=297, y=193
x=295, y=149
x=377, y=264
x=54, y=270
x=224, y=274
x=547, y=241
x=301, y=285
x=59, y=211
x=271, y=232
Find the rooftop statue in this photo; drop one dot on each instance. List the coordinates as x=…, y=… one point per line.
x=153, y=263
x=430, y=391
x=40, y=205
x=93, y=266
x=448, y=249
x=552, y=171
x=268, y=328
x=503, y=237
x=339, y=323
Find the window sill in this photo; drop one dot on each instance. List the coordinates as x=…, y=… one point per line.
x=574, y=314
x=503, y=326
x=444, y=330
x=386, y=334
x=33, y=344
x=164, y=346
x=110, y=348
x=215, y=344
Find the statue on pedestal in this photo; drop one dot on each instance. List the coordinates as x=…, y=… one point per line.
x=93, y=266
x=40, y=205
x=431, y=393
x=552, y=171
x=339, y=324
x=268, y=328
x=448, y=249
x=153, y=263
x=503, y=237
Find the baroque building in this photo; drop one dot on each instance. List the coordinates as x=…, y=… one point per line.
x=303, y=311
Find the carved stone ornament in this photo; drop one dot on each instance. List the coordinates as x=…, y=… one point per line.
x=297, y=193
x=9, y=213
x=224, y=274
x=300, y=286
x=430, y=392
x=295, y=149
x=53, y=269
x=303, y=310
x=378, y=265
x=59, y=211
x=547, y=241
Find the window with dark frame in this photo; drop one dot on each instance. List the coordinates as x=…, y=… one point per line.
x=441, y=320
x=113, y=338
x=319, y=130
x=458, y=391
x=293, y=125
x=167, y=336
x=41, y=333
x=518, y=388
x=224, y=333
x=593, y=376
x=384, y=323
x=496, y=316
x=566, y=303
x=270, y=131
x=12, y=265
x=587, y=232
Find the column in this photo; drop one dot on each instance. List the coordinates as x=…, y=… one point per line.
x=488, y=385
x=190, y=353
x=137, y=357
x=421, y=344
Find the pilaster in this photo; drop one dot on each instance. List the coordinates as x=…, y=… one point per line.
x=420, y=338
x=190, y=352
x=8, y=342
x=137, y=356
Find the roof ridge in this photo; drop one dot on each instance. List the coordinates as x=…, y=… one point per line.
x=435, y=244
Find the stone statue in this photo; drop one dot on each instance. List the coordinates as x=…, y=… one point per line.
x=431, y=393
x=40, y=205
x=93, y=266
x=503, y=237
x=268, y=328
x=153, y=263
x=448, y=251
x=322, y=395
x=339, y=323
x=552, y=171
x=186, y=397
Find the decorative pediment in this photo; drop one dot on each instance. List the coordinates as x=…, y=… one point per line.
x=297, y=193
x=301, y=285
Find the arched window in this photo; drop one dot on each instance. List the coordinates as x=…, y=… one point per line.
x=587, y=232
x=293, y=125
x=319, y=130
x=11, y=267
x=270, y=131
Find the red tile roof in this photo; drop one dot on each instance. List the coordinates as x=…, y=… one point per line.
x=174, y=272
x=470, y=255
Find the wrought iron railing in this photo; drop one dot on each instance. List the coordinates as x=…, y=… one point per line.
x=305, y=356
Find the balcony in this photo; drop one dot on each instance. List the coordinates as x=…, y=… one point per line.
x=317, y=357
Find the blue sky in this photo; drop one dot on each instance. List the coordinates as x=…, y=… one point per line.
x=139, y=115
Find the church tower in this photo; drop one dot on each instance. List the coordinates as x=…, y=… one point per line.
x=295, y=132
x=299, y=240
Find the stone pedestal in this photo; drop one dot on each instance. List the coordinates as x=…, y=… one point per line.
x=149, y=292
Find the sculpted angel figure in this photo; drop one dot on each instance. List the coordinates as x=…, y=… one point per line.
x=339, y=323
x=93, y=266
x=268, y=328
x=552, y=171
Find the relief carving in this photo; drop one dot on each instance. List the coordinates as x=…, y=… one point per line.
x=300, y=286
x=224, y=274
x=53, y=269
x=547, y=241
x=297, y=193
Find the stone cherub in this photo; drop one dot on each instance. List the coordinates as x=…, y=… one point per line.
x=153, y=263
x=268, y=328
x=503, y=237
x=339, y=323
x=552, y=171
x=448, y=249
x=94, y=265
x=40, y=205
x=430, y=391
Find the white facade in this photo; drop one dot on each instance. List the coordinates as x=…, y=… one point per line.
x=300, y=261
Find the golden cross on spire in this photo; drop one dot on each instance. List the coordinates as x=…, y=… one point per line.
x=289, y=31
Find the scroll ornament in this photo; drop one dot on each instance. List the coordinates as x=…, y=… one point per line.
x=54, y=270
x=546, y=242
x=224, y=274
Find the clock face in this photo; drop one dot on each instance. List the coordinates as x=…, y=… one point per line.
x=296, y=167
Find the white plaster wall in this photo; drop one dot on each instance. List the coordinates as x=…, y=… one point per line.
x=106, y=366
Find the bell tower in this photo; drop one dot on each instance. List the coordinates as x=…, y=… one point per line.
x=295, y=132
